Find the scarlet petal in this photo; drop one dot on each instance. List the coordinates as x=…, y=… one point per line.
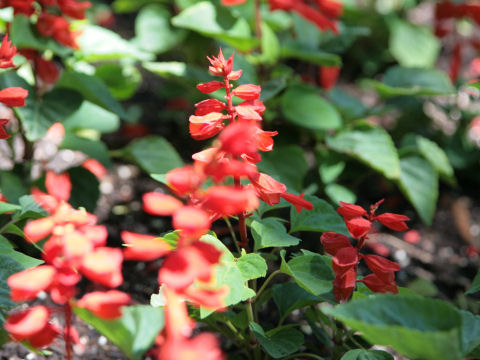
x=247, y=92
x=358, y=227
x=143, y=247
x=58, y=185
x=350, y=211
x=298, y=201
x=160, y=204
x=104, y=266
x=27, y=323
x=378, y=285
x=105, y=304
x=228, y=201
x=212, y=299
x=344, y=260
x=13, y=96
x=95, y=167
x=382, y=267
x=38, y=229
x=328, y=76
x=26, y=284
x=3, y=134
x=204, y=346
x=395, y=222
x=333, y=242
x=239, y=138
x=193, y=222
x=44, y=337
x=210, y=87
x=184, y=180
x=344, y=285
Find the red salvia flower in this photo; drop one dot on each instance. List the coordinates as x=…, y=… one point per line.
x=25, y=285
x=105, y=304
x=3, y=134
x=7, y=52
x=333, y=242
x=144, y=247
x=13, y=96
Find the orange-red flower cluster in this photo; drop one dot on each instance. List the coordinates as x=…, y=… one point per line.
x=346, y=256
x=12, y=96
x=75, y=247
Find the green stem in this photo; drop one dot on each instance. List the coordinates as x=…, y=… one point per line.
x=312, y=356
x=264, y=285
x=4, y=227
x=232, y=232
x=350, y=336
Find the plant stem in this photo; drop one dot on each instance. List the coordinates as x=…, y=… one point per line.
x=67, y=331
x=258, y=20
x=264, y=285
x=232, y=232
x=312, y=356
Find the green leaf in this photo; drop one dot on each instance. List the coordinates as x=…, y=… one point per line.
x=85, y=189
x=23, y=36
x=6, y=207
x=338, y=193
x=419, y=183
x=8, y=266
x=279, y=342
x=230, y=273
x=23, y=260
x=100, y=44
x=295, y=50
x=122, y=80
x=371, y=145
x=286, y=164
x=470, y=333
x=92, y=89
x=367, y=355
x=289, y=296
x=134, y=333
x=400, y=81
x=125, y=6
x=91, y=116
x=40, y=113
x=435, y=155
x=475, y=287
x=270, y=45
x=12, y=185
x=304, y=107
x=93, y=148
x=153, y=31
x=311, y=271
x=415, y=327
x=30, y=209
x=202, y=17
x=252, y=266
x=154, y=154
x=322, y=218
x=270, y=232
x=413, y=46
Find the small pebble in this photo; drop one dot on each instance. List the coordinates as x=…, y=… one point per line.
x=102, y=341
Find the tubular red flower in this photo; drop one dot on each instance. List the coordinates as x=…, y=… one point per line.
x=382, y=267
x=160, y=204
x=344, y=285
x=358, y=227
x=206, y=126
x=73, y=8
x=104, y=266
x=229, y=201
x=239, y=139
x=26, y=284
x=3, y=134
x=210, y=105
x=144, y=247
x=210, y=86
x=333, y=242
x=27, y=323
x=344, y=260
x=328, y=76
x=105, y=304
x=350, y=211
x=13, y=96
x=58, y=185
x=298, y=201
x=191, y=221
x=378, y=285
x=247, y=92
x=184, y=180
x=393, y=221
x=7, y=52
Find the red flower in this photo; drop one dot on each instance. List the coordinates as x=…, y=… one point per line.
x=206, y=126
x=229, y=201
x=239, y=139
x=344, y=285
x=191, y=221
x=203, y=346
x=46, y=70
x=378, y=285
x=160, y=204
x=298, y=201
x=144, y=247
x=382, y=267
x=247, y=92
x=210, y=86
x=104, y=266
x=7, y=52
x=220, y=66
x=13, y=96
x=344, y=260
x=358, y=227
x=210, y=105
x=26, y=284
x=74, y=8
x=105, y=304
x=393, y=221
x=184, y=180
x=350, y=211
x=328, y=76
x=232, y=2
x=333, y=242
x=3, y=133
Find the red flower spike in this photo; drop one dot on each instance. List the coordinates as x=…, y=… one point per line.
x=350, y=211
x=210, y=105
x=144, y=247
x=298, y=201
x=37, y=230
x=333, y=242
x=160, y=204
x=376, y=284
x=358, y=227
x=229, y=201
x=382, y=267
x=24, y=324
x=193, y=262
x=247, y=92
x=239, y=138
x=3, y=134
x=230, y=167
x=105, y=304
x=7, y=52
x=344, y=260
x=58, y=185
x=25, y=285
x=184, y=180
x=210, y=86
x=395, y=222
x=191, y=221
x=104, y=266
x=13, y=96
